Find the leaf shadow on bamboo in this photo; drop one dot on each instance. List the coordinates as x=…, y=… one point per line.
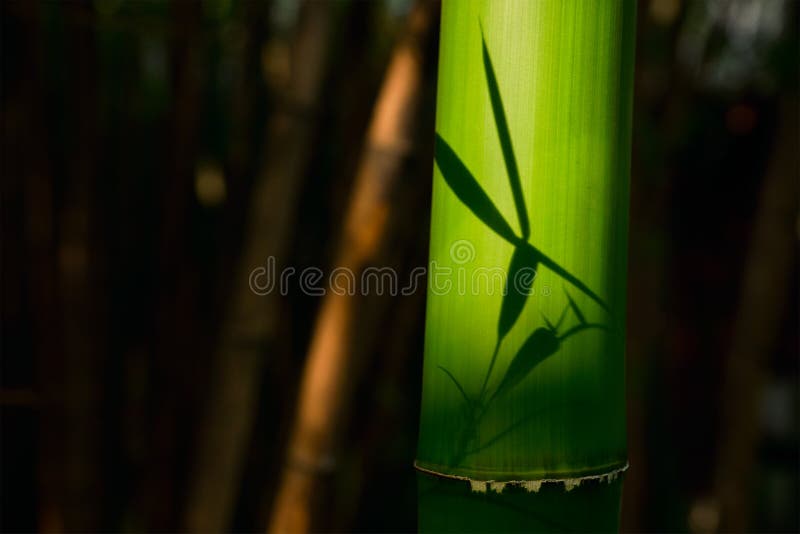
x=543, y=343
x=521, y=274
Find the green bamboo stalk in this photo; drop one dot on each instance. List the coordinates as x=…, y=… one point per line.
x=523, y=378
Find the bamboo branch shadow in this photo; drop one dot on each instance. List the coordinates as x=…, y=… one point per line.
x=525, y=260
x=543, y=343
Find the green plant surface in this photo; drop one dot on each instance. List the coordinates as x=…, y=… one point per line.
x=523, y=376
x=448, y=507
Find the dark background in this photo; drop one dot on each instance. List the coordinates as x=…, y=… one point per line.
x=135, y=135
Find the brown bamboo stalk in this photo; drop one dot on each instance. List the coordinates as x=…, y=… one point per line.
x=327, y=380
x=765, y=294
x=251, y=319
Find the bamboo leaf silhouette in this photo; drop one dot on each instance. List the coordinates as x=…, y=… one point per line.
x=458, y=385
x=575, y=309
x=517, y=291
x=537, y=348
x=566, y=275
x=513, y=302
x=469, y=191
x=505, y=141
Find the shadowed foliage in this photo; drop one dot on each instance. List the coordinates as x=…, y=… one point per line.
x=469, y=192
x=543, y=342
x=505, y=141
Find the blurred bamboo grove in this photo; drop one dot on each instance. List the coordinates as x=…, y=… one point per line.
x=154, y=153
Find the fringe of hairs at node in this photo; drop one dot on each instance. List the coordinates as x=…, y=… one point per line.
x=481, y=486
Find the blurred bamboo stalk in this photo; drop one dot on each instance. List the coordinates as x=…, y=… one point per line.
x=173, y=352
x=28, y=169
x=408, y=317
x=327, y=382
x=80, y=389
x=251, y=319
x=767, y=278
